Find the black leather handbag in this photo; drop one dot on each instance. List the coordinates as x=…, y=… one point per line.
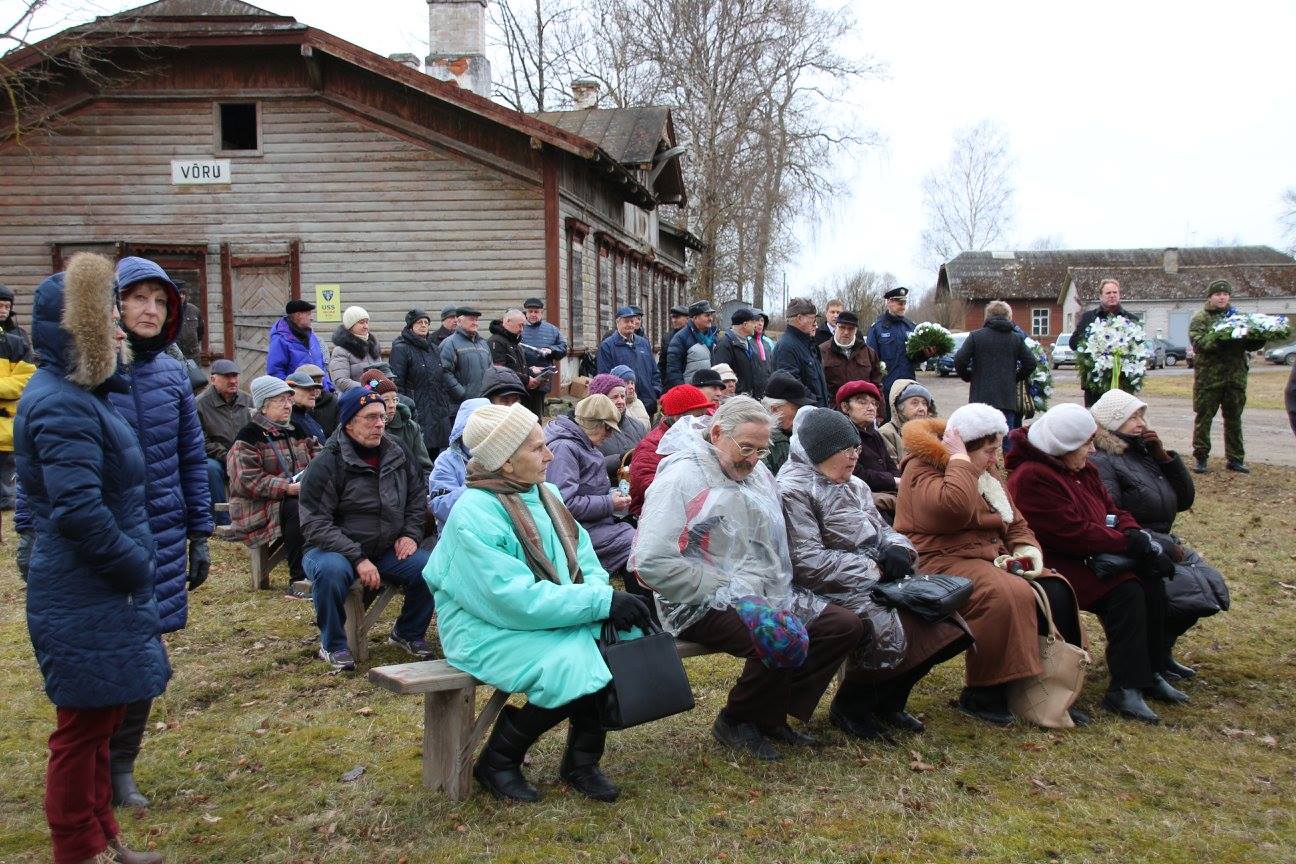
x=1109, y=565
x=648, y=679
x=929, y=597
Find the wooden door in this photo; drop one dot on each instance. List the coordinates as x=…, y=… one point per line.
x=257, y=287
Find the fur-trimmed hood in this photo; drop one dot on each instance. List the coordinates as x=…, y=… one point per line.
x=922, y=440
x=72, y=324
x=1110, y=442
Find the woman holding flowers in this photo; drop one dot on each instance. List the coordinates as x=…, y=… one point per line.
x=1221, y=339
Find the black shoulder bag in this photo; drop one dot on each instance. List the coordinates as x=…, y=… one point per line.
x=648, y=679
x=931, y=598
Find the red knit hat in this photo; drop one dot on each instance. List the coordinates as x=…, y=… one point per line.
x=377, y=382
x=855, y=388
x=682, y=399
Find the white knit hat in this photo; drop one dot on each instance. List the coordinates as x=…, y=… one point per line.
x=977, y=420
x=353, y=316
x=495, y=432
x=1114, y=407
x=1063, y=428
x=726, y=372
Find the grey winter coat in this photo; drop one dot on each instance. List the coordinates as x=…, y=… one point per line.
x=350, y=356
x=465, y=359
x=357, y=511
x=994, y=359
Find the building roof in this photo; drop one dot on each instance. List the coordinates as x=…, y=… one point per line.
x=1021, y=275
x=176, y=24
x=1252, y=281
x=635, y=137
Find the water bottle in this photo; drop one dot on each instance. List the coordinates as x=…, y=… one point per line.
x=624, y=487
x=1111, y=520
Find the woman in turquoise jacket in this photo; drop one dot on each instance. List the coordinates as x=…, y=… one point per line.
x=523, y=615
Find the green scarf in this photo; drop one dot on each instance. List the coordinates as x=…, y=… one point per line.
x=528, y=533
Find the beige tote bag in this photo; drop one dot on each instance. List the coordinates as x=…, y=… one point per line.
x=1044, y=699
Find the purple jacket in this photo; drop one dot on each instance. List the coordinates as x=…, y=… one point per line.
x=287, y=353
x=579, y=472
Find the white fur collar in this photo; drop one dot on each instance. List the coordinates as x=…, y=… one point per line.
x=993, y=492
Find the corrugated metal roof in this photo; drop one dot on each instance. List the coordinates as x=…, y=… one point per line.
x=1027, y=274
x=628, y=135
x=1251, y=281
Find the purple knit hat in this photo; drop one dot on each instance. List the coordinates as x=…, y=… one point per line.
x=604, y=384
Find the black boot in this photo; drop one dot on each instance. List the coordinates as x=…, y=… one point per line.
x=852, y=712
x=1202, y=466
x=125, y=792
x=1163, y=692
x=986, y=703
x=1236, y=465
x=1128, y=702
x=1175, y=669
x=499, y=767
x=580, y=763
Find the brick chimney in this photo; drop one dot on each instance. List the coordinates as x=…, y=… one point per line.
x=585, y=94
x=1170, y=260
x=457, y=43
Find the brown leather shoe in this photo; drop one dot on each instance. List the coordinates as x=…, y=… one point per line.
x=130, y=856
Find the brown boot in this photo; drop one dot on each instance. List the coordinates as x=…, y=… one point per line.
x=130, y=856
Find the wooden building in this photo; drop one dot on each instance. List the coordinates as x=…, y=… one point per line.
x=1048, y=290
x=258, y=158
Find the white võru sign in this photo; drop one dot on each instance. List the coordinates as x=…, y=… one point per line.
x=199, y=172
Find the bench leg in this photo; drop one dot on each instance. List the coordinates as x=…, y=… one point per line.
x=447, y=727
x=356, y=635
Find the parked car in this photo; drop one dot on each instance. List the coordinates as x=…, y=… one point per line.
x=1175, y=354
x=1283, y=355
x=945, y=362
x=1062, y=355
x=1156, y=353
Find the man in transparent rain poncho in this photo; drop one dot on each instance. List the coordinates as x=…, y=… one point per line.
x=713, y=544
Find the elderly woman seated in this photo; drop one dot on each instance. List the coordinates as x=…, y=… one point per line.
x=635, y=408
x=909, y=400
x=955, y=511
x=626, y=432
x=1153, y=485
x=520, y=597
x=265, y=464
x=579, y=473
x=1078, y=524
x=841, y=549
x=712, y=542
x=860, y=401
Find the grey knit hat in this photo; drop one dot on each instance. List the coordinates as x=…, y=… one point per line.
x=824, y=433
x=267, y=387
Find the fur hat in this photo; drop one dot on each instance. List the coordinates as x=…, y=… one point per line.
x=267, y=387
x=824, y=433
x=977, y=420
x=1114, y=407
x=1062, y=429
x=495, y=432
x=605, y=383
x=353, y=316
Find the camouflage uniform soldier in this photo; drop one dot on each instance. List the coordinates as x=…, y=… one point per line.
x=1220, y=381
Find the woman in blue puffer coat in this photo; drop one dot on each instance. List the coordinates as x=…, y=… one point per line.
x=91, y=613
x=160, y=407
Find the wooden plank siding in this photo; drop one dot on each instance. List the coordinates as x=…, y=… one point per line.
x=394, y=223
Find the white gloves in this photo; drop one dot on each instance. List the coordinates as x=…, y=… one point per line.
x=1034, y=556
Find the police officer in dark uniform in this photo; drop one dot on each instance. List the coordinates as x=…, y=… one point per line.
x=888, y=335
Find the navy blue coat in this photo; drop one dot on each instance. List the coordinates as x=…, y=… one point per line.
x=614, y=351
x=887, y=337
x=90, y=608
x=160, y=408
x=677, y=351
x=798, y=354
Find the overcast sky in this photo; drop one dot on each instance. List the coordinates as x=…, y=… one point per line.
x=1133, y=123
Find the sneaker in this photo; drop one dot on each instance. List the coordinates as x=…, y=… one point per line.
x=341, y=660
x=416, y=647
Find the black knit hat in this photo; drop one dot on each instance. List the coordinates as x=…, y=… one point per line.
x=825, y=433
x=782, y=385
x=414, y=315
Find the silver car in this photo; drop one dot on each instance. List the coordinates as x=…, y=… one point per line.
x=1062, y=355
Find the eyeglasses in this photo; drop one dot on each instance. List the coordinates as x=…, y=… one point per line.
x=373, y=419
x=749, y=451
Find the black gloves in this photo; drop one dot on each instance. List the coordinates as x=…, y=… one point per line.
x=895, y=563
x=1141, y=544
x=1162, y=566
x=199, y=562
x=628, y=610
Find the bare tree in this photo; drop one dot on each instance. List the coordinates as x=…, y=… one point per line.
x=860, y=292
x=969, y=202
x=1288, y=219
x=1047, y=243
x=537, y=38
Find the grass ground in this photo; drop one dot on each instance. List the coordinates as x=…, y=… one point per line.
x=1264, y=386
x=246, y=751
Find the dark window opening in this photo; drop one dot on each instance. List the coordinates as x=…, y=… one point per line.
x=238, y=127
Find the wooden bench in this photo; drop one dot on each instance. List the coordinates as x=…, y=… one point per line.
x=263, y=558
x=361, y=616
x=451, y=733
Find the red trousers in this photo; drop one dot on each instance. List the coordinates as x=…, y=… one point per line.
x=78, y=786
